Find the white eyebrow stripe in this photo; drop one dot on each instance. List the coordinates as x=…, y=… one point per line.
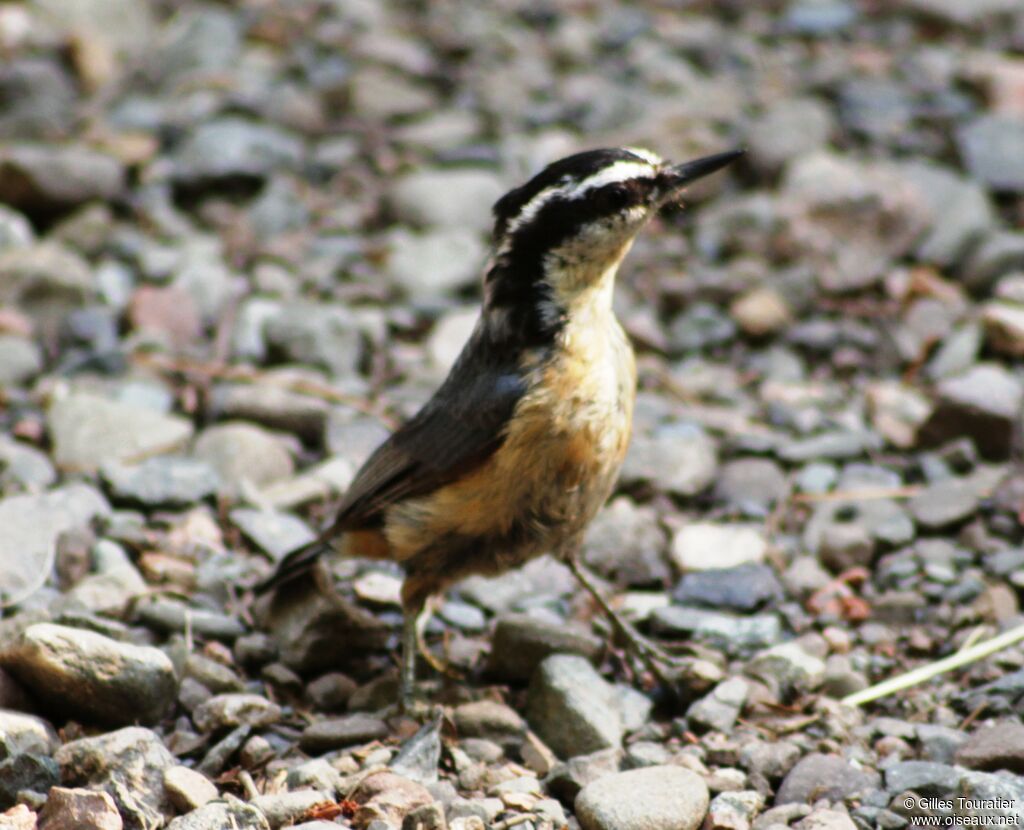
x=532, y=208
x=619, y=172
x=652, y=158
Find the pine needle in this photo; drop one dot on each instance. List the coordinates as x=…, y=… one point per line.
x=922, y=673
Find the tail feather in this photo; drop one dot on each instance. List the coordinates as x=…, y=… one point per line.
x=294, y=566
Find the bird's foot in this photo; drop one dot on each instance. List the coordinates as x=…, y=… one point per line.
x=438, y=664
x=417, y=708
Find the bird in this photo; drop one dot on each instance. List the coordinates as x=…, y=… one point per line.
x=522, y=443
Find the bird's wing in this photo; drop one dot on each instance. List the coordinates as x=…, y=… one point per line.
x=458, y=429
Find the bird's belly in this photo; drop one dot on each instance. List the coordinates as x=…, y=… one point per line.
x=561, y=455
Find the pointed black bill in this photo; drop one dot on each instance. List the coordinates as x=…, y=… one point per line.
x=682, y=174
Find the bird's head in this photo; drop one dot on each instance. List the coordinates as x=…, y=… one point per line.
x=562, y=235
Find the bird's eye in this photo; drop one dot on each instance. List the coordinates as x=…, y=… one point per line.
x=615, y=197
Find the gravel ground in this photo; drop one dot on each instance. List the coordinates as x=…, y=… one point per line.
x=239, y=242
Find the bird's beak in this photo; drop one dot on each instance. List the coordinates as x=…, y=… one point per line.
x=672, y=180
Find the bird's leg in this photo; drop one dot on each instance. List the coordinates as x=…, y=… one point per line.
x=654, y=657
x=436, y=663
x=407, y=676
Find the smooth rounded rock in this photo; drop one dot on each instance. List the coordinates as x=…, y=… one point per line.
x=80, y=672
x=651, y=798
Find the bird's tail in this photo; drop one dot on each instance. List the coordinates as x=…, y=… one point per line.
x=295, y=565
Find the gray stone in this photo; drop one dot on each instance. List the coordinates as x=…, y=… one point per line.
x=521, y=643
x=233, y=709
x=955, y=13
x=680, y=459
x=326, y=335
x=241, y=453
x=274, y=532
x=330, y=692
x=818, y=776
x=716, y=629
x=88, y=431
x=283, y=809
x=769, y=759
x=15, y=230
x=128, y=764
x=1004, y=794
x=567, y=779
x=420, y=756
x=849, y=218
x=751, y=486
x=23, y=467
x=816, y=477
x=884, y=520
x=1000, y=252
x=20, y=360
x=841, y=679
x=826, y=820
x=836, y=445
x=788, y=129
x=167, y=481
x=217, y=758
x=924, y=777
x=114, y=583
x=77, y=671
x=273, y=406
x=221, y=814
x=961, y=212
x=26, y=771
x=32, y=524
x=944, y=504
x=445, y=198
x=572, y=708
x=734, y=809
x=214, y=675
x=626, y=544
x=939, y=743
x=876, y=107
x=652, y=798
x=316, y=633
x=992, y=147
x=719, y=709
x=489, y=719
x=333, y=733
x=743, y=588
x=197, y=41
x=40, y=97
x=43, y=179
x=983, y=403
x=787, y=667
x=318, y=774
x=845, y=545
x=379, y=94
x=173, y=616
x=430, y=264
x=25, y=733
x=957, y=353
x=542, y=579
x=995, y=747
x=234, y=148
